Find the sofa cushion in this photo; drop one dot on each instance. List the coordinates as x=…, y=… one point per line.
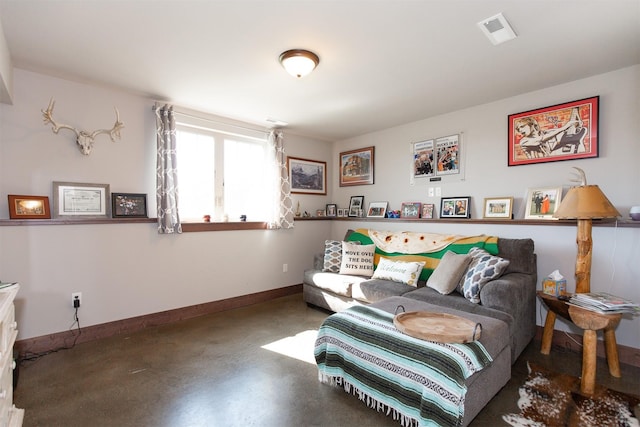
x=333, y=255
x=357, y=259
x=447, y=275
x=398, y=271
x=482, y=268
x=339, y=284
x=377, y=289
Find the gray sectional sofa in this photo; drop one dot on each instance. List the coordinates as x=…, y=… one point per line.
x=506, y=311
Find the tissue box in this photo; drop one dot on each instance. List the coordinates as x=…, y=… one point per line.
x=554, y=287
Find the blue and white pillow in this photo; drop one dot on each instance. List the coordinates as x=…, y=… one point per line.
x=482, y=268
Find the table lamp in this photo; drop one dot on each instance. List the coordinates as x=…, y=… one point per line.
x=585, y=203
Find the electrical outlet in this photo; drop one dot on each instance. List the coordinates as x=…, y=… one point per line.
x=76, y=296
x=285, y=268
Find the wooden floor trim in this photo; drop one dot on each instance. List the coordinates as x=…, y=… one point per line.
x=52, y=342
x=573, y=342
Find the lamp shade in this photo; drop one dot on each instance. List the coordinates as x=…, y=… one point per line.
x=299, y=62
x=586, y=202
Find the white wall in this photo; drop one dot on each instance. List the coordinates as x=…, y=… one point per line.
x=616, y=252
x=122, y=270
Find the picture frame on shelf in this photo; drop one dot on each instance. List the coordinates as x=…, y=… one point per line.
x=566, y=131
x=355, y=206
x=428, y=211
x=498, y=208
x=455, y=207
x=342, y=212
x=29, y=207
x=542, y=202
x=377, y=210
x=129, y=205
x=357, y=167
x=410, y=210
x=81, y=200
x=307, y=176
x=332, y=210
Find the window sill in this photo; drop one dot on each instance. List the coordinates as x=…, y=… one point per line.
x=191, y=227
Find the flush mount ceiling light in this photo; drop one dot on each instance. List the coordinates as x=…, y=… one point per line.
x=497, y=29
x=299, y=62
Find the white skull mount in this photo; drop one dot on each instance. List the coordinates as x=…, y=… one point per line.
x=84, y=139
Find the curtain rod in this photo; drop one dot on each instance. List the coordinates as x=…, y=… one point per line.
x=180, y=113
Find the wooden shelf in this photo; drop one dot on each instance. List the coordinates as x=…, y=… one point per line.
x=626, y=223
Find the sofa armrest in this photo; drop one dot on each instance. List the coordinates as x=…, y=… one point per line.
x=318, y=262
x=515, y=294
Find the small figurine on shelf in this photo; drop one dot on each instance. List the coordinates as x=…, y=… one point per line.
x=393, y=214
x=207, y=218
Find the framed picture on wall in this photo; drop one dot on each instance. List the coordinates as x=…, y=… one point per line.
x=566, y=131
x=356, y=167
x=307, y=176
x=542, y=202
x=410, y=210
x=81, y=200
x=332, y=210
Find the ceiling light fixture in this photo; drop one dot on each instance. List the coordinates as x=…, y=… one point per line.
x=299, y=62
x=497, y=29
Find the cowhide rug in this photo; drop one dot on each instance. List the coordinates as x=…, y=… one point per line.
x=552, y=399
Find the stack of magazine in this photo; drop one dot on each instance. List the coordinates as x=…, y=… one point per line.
x=603, y=302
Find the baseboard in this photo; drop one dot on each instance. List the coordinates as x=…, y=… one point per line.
x=58, y=340
x=573, y=342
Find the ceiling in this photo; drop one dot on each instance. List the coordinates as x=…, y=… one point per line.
x=382, y=63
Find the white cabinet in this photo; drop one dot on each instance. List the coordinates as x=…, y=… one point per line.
x=10, y=416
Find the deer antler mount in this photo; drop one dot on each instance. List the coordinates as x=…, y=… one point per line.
x=84, y=139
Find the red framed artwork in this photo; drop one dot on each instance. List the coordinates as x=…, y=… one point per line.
x=566, y=131
x=29, y=207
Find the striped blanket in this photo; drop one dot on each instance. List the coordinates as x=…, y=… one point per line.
x=418, y=382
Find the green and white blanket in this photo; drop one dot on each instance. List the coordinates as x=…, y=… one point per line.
x=418, y=382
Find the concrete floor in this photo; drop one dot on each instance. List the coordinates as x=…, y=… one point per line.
x=222, y=370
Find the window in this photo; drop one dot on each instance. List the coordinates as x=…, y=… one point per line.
x=221, y=173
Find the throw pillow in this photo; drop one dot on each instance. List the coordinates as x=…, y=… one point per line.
x=482, y=268
x=357, y=259
x=399, y=271
x=333, y=255
x=447, y=275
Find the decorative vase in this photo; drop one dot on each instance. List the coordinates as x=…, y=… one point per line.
x=634, y=213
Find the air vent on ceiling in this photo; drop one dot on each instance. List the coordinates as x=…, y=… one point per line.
x=497, y=29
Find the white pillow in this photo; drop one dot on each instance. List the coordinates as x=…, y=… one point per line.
x=399, y=271
x=449, y=271
x=357, y=259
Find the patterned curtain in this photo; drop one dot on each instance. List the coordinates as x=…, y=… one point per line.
x=282, y=212
x=166, y=172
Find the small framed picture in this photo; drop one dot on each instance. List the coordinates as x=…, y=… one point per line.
x=320, y=212
x=307, y=176
x=455, y=207
x=355, y=205
x=377, y=210
x=410, y=210
x=80, y=200
x=428, y=210
x=342, y=212
x=29, y=207
x=498, y=207
x=129, y=205
x=356, y=167
x=332, y=210
x=542, y=203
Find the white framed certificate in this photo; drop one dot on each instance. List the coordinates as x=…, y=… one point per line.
x=81, y=200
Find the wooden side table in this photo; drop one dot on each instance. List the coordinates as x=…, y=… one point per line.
x=590, y=322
